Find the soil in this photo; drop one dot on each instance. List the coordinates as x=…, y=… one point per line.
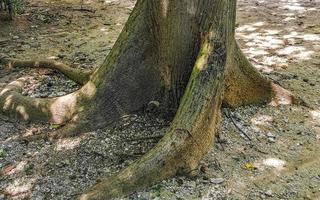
x=261, y=152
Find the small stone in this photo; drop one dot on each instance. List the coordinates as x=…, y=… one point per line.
x=269, y=193
x=155, y=103
x=15, y=37
x=217, y=180
x=270, y=135
x=34, y=130
x=305, y=80
x=61, y=55
x=271, y=140
x=179, y=181
x=192, y=184
x=153, y=106
x=60, y=93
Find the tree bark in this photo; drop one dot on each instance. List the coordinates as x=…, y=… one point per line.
x=192, y=130
x=181, y=53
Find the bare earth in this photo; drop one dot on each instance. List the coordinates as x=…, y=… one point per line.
x=262, y=152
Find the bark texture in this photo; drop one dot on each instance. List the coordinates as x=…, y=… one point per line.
x=192, y=130
x=181, y=53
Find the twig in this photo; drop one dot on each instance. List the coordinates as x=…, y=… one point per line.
x=84, y=10
x=236, y=125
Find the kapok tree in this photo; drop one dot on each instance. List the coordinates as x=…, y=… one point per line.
x=181, y=53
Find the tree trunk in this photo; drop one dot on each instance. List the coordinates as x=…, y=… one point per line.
x=181, y=53
x=194, y=53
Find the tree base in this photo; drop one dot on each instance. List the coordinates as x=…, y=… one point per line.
x=206, y=56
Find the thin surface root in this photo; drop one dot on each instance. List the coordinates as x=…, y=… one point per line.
x=77, y=75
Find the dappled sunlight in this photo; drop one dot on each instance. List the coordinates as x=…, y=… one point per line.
x=63, y=106
x=11, y=169
x=264, y=141
x=20, y=188
x=261, y=122
x=297, y=52
x=109, y=1
x=315, y=114
x=281, y=96
x=271, y=48
x=104, y=30
x=290, y=50
x=4, y=91
x=89, y=89
x=23, y=113
x=164, y=5
x=300, y=35
x=248, y=28
x=294, y=7
x=21, y=165
x=255, y=52
x=67, y=144
x=310, y=37
x=7, y=102
x=273, y=163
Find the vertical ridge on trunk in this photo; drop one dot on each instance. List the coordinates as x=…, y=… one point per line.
x=181, y=53
x=192, y=130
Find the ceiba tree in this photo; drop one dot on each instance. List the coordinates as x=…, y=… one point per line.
x=181, y=53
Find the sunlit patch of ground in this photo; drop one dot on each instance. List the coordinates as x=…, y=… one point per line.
x=274, y=47
x=278, y=161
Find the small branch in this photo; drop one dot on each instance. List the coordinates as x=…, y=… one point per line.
x=84, y=10
x=236, y=125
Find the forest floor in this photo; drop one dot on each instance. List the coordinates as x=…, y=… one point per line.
x=262, y=152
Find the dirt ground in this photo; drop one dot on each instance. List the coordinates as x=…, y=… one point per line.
x=262, y=152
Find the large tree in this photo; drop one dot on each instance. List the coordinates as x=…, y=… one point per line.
x=181, y=53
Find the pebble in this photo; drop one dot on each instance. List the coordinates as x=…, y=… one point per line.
x=34, y=130
x=217, y=180
x=271, y=140
x=269, y=193
x=305, y=80
x=262, y=196
x=61, y=55
x=270, y=135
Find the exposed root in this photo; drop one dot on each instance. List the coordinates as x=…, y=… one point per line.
x=282, y=96
x=77, y=75
x=57, y=110
x=67, y=131
x=13, y=103
x=187, y=139
x=244, y=85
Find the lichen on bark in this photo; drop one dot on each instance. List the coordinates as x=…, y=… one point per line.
x=181, y=53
